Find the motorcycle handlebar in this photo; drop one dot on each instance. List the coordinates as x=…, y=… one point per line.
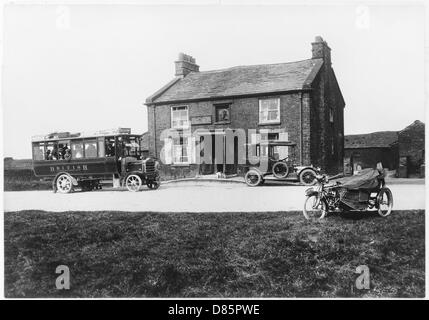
x=325, y=178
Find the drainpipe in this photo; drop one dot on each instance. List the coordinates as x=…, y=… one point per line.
x=300, y=132
x=154, y=129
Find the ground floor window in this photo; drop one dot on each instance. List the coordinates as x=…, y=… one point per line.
x=180, y=150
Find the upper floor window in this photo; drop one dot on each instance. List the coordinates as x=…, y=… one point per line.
x=269, y=110
x=180, y=117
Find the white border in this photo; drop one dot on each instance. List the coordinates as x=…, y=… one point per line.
x=205, y=3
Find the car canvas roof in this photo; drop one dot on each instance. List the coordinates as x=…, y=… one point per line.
x=277, y=143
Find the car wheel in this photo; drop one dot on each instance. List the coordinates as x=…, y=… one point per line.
x=280, y=170
x=253, y=178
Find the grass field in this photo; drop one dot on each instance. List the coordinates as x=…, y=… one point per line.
x=118, y=254
x=22, y=180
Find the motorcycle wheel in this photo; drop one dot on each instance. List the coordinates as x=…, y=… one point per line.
x=384, y=202
x=307, y=177
x=314, y=208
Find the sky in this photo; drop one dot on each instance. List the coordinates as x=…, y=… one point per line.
x=90, y=67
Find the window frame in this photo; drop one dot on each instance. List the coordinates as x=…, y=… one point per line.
x=184, y=146
x=172, y=118
x=87, y=141
x=72, y=152
x=114, y=146
x=276, y=121
x=331, y=115
x=39, y=145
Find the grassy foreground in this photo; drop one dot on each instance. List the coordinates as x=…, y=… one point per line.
x=118, y=254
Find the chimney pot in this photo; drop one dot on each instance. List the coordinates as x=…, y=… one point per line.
x=185, y=64
x=320, y=49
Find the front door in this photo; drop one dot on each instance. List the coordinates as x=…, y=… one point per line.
x=217, y=161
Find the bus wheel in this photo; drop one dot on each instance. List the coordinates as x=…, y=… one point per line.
x=133, y=183
x=64, y=184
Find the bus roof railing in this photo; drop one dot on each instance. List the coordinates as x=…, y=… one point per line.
x=67, y=135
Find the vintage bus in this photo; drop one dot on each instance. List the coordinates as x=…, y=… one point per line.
x=89, y=160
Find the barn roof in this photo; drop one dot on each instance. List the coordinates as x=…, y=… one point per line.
x=239, y=81
x=381, y=139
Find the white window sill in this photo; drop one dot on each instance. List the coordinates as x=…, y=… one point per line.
x=181, y=164
x=268, y=123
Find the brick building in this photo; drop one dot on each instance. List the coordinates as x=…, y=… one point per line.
x=366, y=150
x=300, y=102
x=411, y=145
x=403, y=151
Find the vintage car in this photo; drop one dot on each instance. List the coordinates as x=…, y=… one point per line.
x=90, y=160
x=275, y=163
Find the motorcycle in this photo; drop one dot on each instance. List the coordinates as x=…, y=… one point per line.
x=365, y=191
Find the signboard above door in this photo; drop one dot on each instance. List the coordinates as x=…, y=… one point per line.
x=201, y=120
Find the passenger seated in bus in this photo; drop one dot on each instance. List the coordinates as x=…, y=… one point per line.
x=62, y=151
x=54, y=153
x=110, y=149
x=67, y=155
x=48, y=155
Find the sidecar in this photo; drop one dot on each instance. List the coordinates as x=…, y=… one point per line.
x=366, y=190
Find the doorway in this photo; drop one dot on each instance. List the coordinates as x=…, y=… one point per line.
x=217, y=160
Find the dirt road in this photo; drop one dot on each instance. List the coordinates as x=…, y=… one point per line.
x=209, y=197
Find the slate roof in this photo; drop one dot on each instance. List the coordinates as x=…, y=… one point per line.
x=241, y=80
x=414, y=125
x=381, y=139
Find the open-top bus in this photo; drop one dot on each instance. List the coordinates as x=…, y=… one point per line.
x=89, y=160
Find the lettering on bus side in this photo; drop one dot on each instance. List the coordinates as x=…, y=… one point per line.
x=84, y=167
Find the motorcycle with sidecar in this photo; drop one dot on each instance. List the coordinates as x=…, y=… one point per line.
x=365, y=191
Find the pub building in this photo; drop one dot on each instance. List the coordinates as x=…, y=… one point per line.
x=300, y=102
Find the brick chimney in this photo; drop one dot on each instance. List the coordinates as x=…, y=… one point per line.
x=320, y=49
x=185, y=64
